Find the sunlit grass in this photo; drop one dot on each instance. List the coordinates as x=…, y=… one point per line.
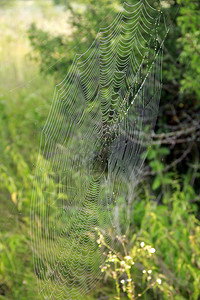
x=25, y=98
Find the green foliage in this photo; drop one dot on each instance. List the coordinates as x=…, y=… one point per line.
x=156, y=161
x=189, y=23
x=18, y=128
x=22, y=116
x=16, y=275
x=6, y=3
x=166, y=215
x=58, y=52
x=174, y=232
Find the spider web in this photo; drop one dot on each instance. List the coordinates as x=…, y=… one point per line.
x=92, y=150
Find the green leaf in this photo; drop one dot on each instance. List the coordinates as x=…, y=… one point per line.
x=156, y=183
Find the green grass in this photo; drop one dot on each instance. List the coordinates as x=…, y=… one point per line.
x=25, y=98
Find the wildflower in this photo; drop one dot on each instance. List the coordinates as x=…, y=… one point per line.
x=129, y=279
x=142, y=244
x=144, y=271
x=152, y=250
x=149, y=271
x=149, y=278
x=159, y=281
x=122, y=281
x=122, y=262
x=127, y=257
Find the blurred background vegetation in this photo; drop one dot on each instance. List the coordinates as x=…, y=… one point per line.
x=37, y=46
